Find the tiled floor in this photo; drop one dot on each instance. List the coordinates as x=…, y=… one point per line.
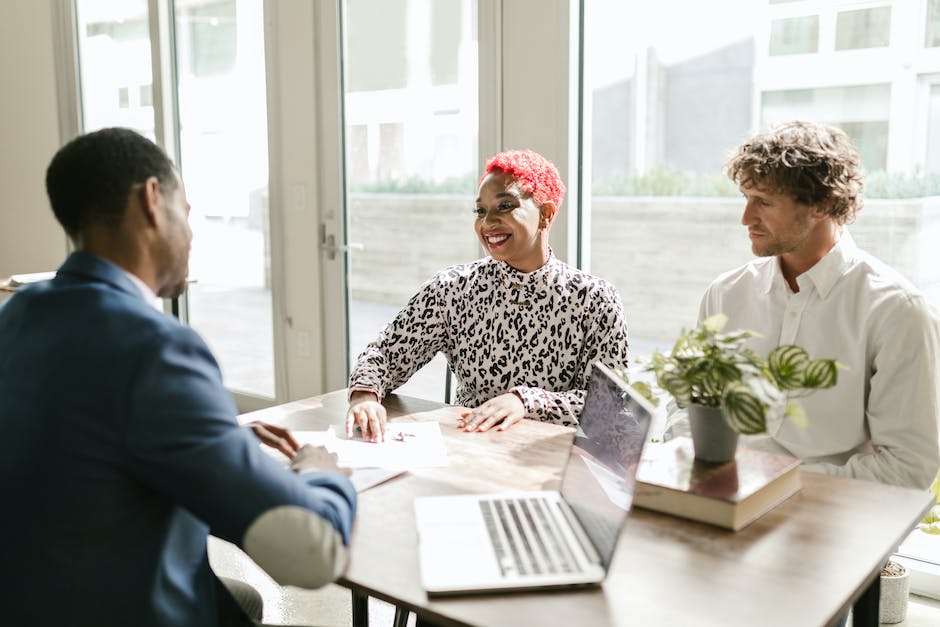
x=330, y=606
x=922, y=612
x=326, y=607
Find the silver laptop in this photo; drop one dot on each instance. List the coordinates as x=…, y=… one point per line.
x=545, y=539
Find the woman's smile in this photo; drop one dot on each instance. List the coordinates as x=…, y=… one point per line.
x=496, y=239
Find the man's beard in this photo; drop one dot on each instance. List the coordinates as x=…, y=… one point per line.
x=176, y=288
x=793, y=239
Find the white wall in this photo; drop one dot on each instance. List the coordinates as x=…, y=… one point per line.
x=30, y=238
x=538, y=105
x=294, y=193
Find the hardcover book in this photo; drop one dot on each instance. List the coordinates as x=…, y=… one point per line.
x=730, y=495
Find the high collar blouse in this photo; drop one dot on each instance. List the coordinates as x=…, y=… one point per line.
x=536, y=334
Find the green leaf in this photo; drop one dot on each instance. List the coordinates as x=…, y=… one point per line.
x=797, y=415
x=820, y=373
x=680, y=389
x=931, y=523
x=645, y=392
x=743, y=410
x=714, y=324
x=786, y=363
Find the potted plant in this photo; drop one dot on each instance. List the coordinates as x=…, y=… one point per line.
x=729, y=389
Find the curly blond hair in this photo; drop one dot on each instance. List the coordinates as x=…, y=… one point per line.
x=816, y=164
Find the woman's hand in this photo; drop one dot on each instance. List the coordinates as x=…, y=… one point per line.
x=366, y=411
x=504, y=410
x=276, y=437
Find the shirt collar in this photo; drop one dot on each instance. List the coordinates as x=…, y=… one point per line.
x=822, y=276
x=770, y=274
x=145, y=290
x=526, y=277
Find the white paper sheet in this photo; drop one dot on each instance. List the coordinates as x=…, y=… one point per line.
x=361, y=478
x=365, y=478
x=408, y=445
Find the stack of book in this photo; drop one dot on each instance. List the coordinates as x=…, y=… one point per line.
x=730, y=495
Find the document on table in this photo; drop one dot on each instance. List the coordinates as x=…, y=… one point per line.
x=407, y=445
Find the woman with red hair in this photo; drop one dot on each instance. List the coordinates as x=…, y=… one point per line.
x=520, y=329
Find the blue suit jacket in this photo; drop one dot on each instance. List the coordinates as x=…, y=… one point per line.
x=119, y=453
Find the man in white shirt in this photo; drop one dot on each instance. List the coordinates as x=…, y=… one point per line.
x=812, y=286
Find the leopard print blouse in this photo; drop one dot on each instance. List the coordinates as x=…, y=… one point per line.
x=535, y=334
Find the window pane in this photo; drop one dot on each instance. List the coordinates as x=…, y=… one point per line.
x=114, y=56
x=864, y=28
x=666, y=103
x=224, y=154
x=666, y=100
x=367, y=68
x=932, y=27
x=860, y=111
x=794, y=35
x=933, y=130
x=411, y=144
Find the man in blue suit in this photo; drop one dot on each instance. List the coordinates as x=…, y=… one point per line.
x=120, y=451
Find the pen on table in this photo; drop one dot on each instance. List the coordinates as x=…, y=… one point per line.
x=395, y=437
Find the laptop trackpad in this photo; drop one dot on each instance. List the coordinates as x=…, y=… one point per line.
x=454, y=547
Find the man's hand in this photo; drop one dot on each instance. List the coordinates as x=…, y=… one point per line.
x=276, y=437
x=504, y=410
x=366, y=411
x=311, y=457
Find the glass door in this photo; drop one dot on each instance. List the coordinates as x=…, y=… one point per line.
x=410, y=134
x=114, y=65
x=191, y=73
x=220, y=65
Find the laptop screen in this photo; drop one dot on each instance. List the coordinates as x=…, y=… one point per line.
x=600, y=474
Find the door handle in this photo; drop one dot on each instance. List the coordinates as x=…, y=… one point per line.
x=330, y=247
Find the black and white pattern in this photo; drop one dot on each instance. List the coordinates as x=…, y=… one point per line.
x=536, y=334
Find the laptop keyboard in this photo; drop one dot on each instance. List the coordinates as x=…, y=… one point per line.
x=526, y=538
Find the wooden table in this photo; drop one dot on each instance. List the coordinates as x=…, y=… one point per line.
x=804, y=563
x=7, y=290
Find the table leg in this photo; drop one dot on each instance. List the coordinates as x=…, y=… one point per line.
x=866, y=609
x=360, y=609
x=401, y=617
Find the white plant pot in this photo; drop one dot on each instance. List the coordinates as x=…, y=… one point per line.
x=894, y=595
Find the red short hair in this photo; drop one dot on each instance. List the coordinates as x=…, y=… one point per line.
x=535, y=174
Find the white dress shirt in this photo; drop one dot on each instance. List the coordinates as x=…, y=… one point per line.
x=880, y=421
